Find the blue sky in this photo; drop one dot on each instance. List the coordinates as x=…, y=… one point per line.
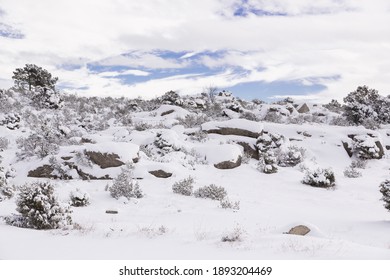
x=257, y=49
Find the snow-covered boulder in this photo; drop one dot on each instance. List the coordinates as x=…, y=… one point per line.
x=239, y=127
x=160, y=173
x=299, y=230
x=366, y=146
x=225, y=156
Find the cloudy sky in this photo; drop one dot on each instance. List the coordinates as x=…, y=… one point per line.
x=256, y=48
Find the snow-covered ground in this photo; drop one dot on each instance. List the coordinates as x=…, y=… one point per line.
x=346, y=222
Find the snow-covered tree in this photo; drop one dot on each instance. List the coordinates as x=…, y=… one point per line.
x=40, y=208
x=32, y=76
x=385, y=191
x=125, y=185
x=361, y=106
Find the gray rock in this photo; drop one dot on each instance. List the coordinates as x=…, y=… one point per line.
x=228, y=164
x=348, y=148
x=160, y=173
x=104, y=160
x=304, y=109
x=299, y=230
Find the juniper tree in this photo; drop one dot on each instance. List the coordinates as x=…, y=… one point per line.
x=33, y=76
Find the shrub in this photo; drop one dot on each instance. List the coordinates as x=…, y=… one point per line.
x=385, y=191
x=366, y=148
x=212, y=191
x=359, y=163
x=291, y=157
x=36, y=145
x=234, y=236
x=361, y=106
x=124, y=185
x=4, y=142
x=351, y=172
x=40, y=208
x=184, y=186
x=6, y=191
x=192, y=120
x=227, y=204
x=267, y=163
x=79, y=198
x=142, y=126
x=321, y=178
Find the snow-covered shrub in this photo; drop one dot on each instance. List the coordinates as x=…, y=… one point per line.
x=292, y=156
x=365, y=106
x=334, y=106
x=124, y=185
x=339, y=121
x=40, y=208
x=36, y=145
x=249, y=116
x=142, y=126
x=273, y=116
x=83, y=159
x=366, y=148
x=192, y=120
x=227, y=204
x=46, y=98
x=359, y=163
x=60, y=171
x=385, y=191
x=4, y=142
x=321, y=178
x=212, y=191
x=199, y=136
x=235, y=236
x=167, y=141
x=172, y=98
x=268, y=141
x=6, y=191
x=267, y=163
x=351, y=172
x=79, y=198
x=184, y=187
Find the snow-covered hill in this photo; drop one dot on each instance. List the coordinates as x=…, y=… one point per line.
x=227, y=142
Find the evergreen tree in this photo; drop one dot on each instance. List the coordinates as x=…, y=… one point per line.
x=33, y=76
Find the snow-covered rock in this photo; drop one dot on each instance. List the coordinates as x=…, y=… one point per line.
x=241, y=127
x=225, y=156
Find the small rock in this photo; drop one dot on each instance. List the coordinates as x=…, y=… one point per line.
x=299, y=230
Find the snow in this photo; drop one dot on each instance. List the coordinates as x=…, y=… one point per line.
x=216, y=153
x=347, y=222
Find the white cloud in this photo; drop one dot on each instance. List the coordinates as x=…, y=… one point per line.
x=326, y=38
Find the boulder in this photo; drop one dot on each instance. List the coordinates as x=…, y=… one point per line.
x=104, y=160
x=228, y=164
x=304, y=109
x=250, y=150
x=224, y=156
x=299, y=230
x=241, y=127
x=160, y=173
x=44, y=171
x=348, y=148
